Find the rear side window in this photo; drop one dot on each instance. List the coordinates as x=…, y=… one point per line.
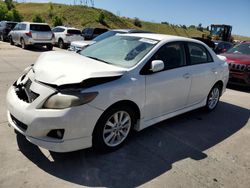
x=22, y=27
x=173, y=55
x=198, y=54
x=37, y=27
x=11, y=25
x=74, y=31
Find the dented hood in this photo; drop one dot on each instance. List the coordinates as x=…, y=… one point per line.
x=61, y=68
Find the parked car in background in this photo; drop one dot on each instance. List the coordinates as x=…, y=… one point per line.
x=5, y=28
x=32, y=34
x=91, y=33
x=77, y=46
x=238, y=59
x=123, y=82
x=65, y=35
x=222, y=46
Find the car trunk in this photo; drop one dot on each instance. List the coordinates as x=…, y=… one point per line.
x=40, y=32
x=74, y=35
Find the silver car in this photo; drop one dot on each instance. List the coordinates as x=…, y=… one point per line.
x=30, y=34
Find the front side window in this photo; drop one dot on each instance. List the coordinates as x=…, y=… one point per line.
x=198, y=54
x=124, y=51
x=172, y=55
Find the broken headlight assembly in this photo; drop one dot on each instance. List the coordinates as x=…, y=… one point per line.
x=67, y=99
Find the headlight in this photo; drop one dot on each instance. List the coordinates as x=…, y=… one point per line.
x=69, y=99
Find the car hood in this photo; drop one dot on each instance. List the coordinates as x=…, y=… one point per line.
x=81, y=44
x=237, y=58
x=60, y=68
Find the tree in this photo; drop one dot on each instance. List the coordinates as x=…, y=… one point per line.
x=9, y=16
x=192, y=26
x=200, y=27
x=101, y=18
x=57, y=21
x=9, y=3
x=51, y=10
x=137, y=22
x=16, y=16
x=38, y=19
x=3, y=11
x=166, y=23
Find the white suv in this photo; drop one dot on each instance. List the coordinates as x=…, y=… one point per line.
x=67, y=101
x=28, y=34
x=65, y=35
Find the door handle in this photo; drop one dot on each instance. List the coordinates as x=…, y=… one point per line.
x=187, y=75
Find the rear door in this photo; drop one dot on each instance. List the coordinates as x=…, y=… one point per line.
x=203, y=70
x=167, y=91
x=41, y=32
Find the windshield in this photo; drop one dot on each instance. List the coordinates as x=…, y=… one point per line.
x=124, y=51
x=105, y=35
x=240, y=49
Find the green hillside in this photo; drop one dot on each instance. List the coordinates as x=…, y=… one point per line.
x=83, y=16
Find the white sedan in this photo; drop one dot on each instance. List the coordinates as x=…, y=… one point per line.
x=68, y=101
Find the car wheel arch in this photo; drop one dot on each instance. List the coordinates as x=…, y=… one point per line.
x=128, y=103
x=220, y=84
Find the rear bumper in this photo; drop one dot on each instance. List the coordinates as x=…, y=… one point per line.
x=31, y=41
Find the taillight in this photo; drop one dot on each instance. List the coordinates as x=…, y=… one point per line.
x=53, y=35
x=29, y=34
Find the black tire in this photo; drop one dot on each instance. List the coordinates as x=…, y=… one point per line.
x=23, y=45
x=1, y=37
x=213, y=98
x=61, y=44
x=4, y=38
x=49, y=46
x=11, y=41
x=98, y=135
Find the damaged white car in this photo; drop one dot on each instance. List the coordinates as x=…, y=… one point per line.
x=68, y=101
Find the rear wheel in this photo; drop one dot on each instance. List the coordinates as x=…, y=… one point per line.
x=23, y=45
x=1, y=37
x=49, y=46
x=61, y=44
x=113, y=128
x=213, y=98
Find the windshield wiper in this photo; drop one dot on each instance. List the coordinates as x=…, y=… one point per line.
x=95, y=58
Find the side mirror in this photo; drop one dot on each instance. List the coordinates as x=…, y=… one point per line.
x=157, y=65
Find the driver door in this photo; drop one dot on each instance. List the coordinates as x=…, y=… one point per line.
x=167, y=91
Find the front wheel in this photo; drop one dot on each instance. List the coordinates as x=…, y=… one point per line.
x=213, y=98
x=113, y=128
x=11, y=41
x=49, y=46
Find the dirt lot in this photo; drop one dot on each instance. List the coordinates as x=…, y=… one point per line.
x=193, y=150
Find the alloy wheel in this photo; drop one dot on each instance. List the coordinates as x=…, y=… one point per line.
x=213, y=98
x=117, y=128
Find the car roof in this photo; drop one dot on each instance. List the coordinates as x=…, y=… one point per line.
x=34, y=23
x=162, y=37
x=130, y=31
x=64, y=27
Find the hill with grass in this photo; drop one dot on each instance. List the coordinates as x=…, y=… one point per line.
x=82, y=16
